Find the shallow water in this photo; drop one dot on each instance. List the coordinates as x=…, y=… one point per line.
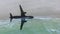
x=32, y=26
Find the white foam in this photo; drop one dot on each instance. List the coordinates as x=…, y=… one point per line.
x=38, y=17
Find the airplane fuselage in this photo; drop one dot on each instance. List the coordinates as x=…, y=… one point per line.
x=26, y=17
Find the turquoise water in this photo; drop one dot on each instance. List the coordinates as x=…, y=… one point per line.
x=32, y=26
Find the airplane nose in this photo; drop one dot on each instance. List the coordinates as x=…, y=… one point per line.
x=32, y=17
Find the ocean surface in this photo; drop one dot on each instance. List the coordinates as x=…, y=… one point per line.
x=32, y=26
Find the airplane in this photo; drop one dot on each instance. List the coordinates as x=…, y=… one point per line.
x=23, y=17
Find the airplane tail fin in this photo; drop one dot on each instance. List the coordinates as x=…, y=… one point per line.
x=11, y=17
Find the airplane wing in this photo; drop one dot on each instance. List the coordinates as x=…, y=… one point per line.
x=22, y=23
x=22, y=12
